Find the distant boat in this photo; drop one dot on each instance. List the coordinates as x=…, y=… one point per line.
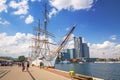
x=107, y=62
x=65, y=62
x=81, y=62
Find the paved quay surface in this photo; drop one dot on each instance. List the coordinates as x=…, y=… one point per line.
x=35, y=73
x=15, y=73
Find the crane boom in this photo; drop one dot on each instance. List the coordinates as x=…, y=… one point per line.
x=65, y=40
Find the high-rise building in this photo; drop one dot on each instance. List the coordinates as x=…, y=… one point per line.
x=68, y=54
x=85, y=50
x=72, y=53
x=82, y=50
x=78, y=47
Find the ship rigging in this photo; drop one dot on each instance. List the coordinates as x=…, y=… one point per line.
x=44, y=50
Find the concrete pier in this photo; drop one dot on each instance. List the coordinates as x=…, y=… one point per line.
x=35, y=73
x=15, y=73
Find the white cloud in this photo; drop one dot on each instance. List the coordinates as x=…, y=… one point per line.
x=81, y=4
x=104, y=45
x=70, y=5
x=105, y=50
x=14, y=45
x=22, y=17
x=113, y=37
x=3, y=6
x=53, y=12
x=67, y=29
x=20, y=42
x=117, y=46
x=4, y=22
x=20, y=7
x=35, y=0
x=29, y=19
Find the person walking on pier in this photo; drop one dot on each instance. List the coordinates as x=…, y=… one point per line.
x=23, y=66
x=41, y=65
x=27, y=65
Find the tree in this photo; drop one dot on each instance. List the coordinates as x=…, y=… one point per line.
x=21, y=58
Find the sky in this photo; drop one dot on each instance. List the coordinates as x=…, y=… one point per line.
x=98, y=23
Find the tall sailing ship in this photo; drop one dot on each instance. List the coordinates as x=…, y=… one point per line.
x=42, y=50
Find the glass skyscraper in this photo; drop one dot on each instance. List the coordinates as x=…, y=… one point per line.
x=69, y=54
x=85, y=50
x=78, y=47
x=82, y=50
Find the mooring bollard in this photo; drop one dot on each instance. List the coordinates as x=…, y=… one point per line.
x=71, y=73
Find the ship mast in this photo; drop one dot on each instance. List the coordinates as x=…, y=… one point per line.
x=42, y=45
x=45, y=27
x=36, y=46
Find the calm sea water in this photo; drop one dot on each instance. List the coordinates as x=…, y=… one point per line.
x=106, y=71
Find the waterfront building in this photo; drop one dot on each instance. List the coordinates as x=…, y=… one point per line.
x=72, y=53
x=78, y=47
x=85, y=50
x=82, y=49
x=68, y=54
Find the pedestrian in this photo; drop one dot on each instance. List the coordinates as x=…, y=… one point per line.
x=23, y=66
x=40, y=64
x=27, y=65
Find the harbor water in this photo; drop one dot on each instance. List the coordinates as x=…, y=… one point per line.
x=106, y=71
